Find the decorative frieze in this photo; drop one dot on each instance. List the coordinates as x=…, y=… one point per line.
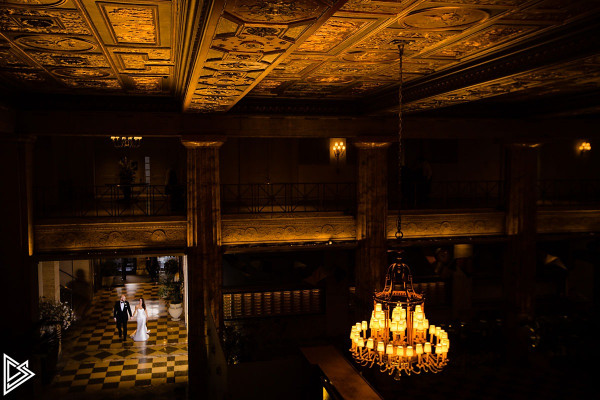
x=239, y=230
x=109, y=235
x=442, y=225
x=560, y=221
x=314, y=227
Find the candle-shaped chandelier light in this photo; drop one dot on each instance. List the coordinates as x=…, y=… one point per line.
x=121, y=142
x=399, y=339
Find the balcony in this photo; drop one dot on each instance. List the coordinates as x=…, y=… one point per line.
x=141, y=200
x=288, y=198
x=568, y=192
x=111, y=200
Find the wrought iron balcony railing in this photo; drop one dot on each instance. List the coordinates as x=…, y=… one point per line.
x=115, y=200
x=449, y=194
x=287, y=197
x=110, y=200
x=557, y=192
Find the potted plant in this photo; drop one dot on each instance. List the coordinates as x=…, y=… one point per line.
x=55, y=317
x=170, y=289
x=172, y=269
x=170, y=292
x=175, y=304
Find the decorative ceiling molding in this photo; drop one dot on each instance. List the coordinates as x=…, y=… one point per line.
x=243, y=41
x=440, y=36
x=87, y=46
x=555, y=63
x=294, y=56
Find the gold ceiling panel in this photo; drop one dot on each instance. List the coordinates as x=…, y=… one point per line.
x=338, y=49
x=248, y=39
x=115, y=47
x=131, y=24
x=437, y=35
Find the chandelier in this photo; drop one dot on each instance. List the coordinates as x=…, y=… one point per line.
x=398, y=338
x=122, y=142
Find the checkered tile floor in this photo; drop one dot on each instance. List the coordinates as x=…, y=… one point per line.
x=95, y=359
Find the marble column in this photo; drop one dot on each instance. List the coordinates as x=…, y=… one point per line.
x=520, y=255
x=49, y=280
x=204, y=264
x=140, y=266
x=19, y=270
x=371, y=219
x=520, y=265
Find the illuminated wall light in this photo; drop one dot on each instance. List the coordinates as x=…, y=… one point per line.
x=584, y=147
x=337, y=150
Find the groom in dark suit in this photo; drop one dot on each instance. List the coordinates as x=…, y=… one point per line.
x=120, y=312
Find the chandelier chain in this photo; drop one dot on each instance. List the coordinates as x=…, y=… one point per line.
x=399, y=233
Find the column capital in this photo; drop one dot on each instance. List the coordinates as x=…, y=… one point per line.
x=525, y=145
x=17, y=138
x=372, y=142
x=192, y=142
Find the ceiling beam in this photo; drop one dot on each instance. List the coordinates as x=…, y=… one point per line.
x=171, y=124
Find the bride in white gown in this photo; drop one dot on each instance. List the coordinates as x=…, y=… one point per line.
x=141, y=316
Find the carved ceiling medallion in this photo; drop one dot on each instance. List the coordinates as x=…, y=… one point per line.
x=331, y=34
x=27, y=76
x=276, y=11
x=444, y=18
x=37, y=23
x=225, y=81
x=264, y=44
x=333, y=79
x=370, y=56
x=55, y=43
x=35, y=3
x=232, y=65
x=374, y=7
x=262, y=31
x=218, y=91
x=105, y=84
x=81, y=73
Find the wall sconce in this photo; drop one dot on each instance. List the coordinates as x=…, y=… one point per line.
x=131, y=142
x=337, y=150
x=584, y=147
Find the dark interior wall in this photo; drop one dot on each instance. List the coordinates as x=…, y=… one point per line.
x=561, y=159
x=258, y=160
x=261, y=160
x=455, y=159
x=87, y=161
x=60, y=160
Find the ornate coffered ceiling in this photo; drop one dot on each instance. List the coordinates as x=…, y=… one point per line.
x=210, y=55
x=354, y=54
x=79, y=46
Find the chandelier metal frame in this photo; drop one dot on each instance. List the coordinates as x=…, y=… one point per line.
x=398, y=338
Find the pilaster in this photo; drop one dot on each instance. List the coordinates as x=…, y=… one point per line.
x=204, y=265
x=371, y=216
